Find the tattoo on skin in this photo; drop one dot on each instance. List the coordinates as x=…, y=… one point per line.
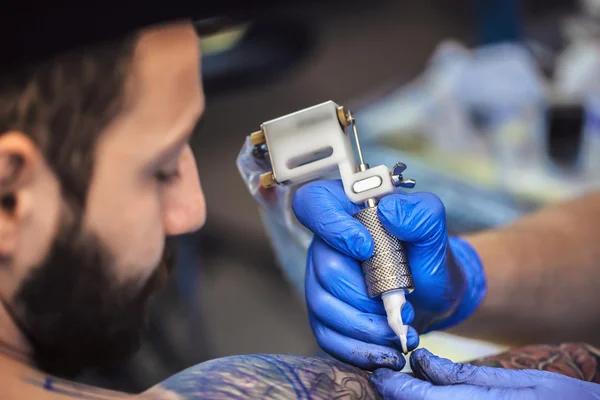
x=240, y=377
x=271, y=377
x=576, y=360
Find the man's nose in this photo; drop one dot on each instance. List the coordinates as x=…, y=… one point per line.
x=185, y=205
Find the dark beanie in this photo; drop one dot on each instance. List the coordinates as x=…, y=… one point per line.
x=31, y=31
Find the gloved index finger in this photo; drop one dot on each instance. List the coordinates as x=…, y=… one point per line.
x=402, y=386
x=441, y=371
x=323, y=207
x=341, y=276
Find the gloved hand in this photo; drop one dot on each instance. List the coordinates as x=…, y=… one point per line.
x=347, y=323
x=449, y=282
x=438, y=378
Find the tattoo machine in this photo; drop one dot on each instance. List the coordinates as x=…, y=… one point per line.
x=316, y=141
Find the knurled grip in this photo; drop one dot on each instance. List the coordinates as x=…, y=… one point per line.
x=388, y=268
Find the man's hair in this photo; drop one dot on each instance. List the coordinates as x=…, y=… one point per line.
x=64, y=103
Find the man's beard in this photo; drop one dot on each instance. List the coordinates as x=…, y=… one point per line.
x=72, y=310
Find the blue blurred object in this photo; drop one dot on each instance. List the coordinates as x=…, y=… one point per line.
x=499, y=21
x=442, y=379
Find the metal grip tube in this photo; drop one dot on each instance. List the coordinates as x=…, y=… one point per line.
x=388, y=268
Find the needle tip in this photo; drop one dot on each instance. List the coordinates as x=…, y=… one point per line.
x=404, y=345
x=393, y=303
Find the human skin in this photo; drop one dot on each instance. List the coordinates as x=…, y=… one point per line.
x=542, y=276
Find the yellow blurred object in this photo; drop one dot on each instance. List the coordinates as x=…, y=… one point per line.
x=223, y=40
x=480, y=169
x=476, y=167
x=458, y=349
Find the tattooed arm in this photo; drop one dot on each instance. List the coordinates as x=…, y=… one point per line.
x=576, y=360
x=238, y=377
x=290, y=377
x=268, y=377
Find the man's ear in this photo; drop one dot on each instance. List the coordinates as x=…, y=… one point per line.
x=18, y=159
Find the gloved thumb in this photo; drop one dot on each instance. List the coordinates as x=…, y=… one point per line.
x=323, y=208
x=402, y=386
x=418, y=218
x=443, y=372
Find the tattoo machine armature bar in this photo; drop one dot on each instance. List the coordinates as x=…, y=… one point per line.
x=318, y=141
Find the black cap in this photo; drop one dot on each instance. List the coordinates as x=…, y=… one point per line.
x=33, y=31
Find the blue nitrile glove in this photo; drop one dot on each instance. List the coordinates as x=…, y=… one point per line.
x=449, y=285
x=438, y=378
x=347, y=323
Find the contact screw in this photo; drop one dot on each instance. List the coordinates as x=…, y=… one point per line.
x=398, y=179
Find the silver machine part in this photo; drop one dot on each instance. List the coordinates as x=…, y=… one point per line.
x=388, y=267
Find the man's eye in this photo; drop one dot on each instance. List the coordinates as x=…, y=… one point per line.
x=166, y=177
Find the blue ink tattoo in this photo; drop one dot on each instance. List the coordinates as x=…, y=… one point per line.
x=72, y=389
x=271, y=377
x=245, y=377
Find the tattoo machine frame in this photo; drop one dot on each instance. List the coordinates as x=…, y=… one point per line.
x=316, y=141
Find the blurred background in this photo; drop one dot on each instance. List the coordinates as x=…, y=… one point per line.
x=493, y=104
